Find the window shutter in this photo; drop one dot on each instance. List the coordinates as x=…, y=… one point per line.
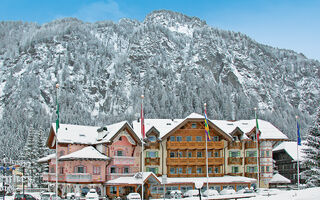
x=157, y=154
x=230, y=153
x=148, y=169
x=156, y=170
x=238, y=153
x=148, y=154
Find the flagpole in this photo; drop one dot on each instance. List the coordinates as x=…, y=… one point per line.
x=205, y=111
x=258, y=167
x=142, y=131
x=57, y=127
x=298, y=164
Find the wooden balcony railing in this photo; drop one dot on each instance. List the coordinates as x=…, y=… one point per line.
x=235, y=161
x=152, y=145
x=194, y=145
x=235, y=174
x=235, y=145
x=251, y=145
x=251, y=175
x=250, y=160
x=152, y=161
x=194, y=161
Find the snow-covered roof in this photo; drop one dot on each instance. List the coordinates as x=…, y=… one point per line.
x=164, y=126
x=291, y=148
x=85, y=153
x=224, y=179
x=68, y=133
x=46, y=158
x=135, y=179
x=278, y=178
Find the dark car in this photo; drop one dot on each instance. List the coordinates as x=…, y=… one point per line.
x=24, y=197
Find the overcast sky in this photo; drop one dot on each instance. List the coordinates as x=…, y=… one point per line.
x=288, y=24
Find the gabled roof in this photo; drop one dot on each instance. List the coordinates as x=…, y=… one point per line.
x=135, y=179
x=88, y=153
x=278, y=178
x=46, y=158
x=90, y=135
x=167, y=126
x=291, y=149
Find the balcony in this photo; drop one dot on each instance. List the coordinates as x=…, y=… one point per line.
x=194, y=161
x=251, y=175
x=235, y=145
x=235, y=174
x=152, y=161
x=234, y=161
x=194, y=145
x=251, y=145
x=250, y=160
x=51, y=177
x=152, y=145
x=79, y=177
x=122, y=160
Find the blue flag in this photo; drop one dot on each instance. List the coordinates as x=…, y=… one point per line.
x=298, y=134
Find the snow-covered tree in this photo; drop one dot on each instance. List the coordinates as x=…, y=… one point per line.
x=312, y=161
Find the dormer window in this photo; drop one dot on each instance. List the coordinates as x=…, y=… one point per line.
x=194, y=125
x=152, y=138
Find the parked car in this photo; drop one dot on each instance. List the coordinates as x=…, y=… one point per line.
x=226, y=191
x=24, y=197
x=176, y=194
x=245, y=191
x=92, y=194
x=133, y=196
x=191, y=193
x=267, y=192
x=49, y=196
x=210, y=193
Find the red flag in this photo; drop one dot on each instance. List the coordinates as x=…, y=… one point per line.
x=142, y=123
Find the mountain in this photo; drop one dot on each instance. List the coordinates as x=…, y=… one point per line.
x=178, y=62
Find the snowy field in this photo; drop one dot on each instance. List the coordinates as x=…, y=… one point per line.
x=305, y=194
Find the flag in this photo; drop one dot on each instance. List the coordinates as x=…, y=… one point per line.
x=298, y=134
x=57, y=111
x=206, y=125
x=142, y=123
x=257, y=129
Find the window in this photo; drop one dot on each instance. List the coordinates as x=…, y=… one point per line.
x=172, y=138
x=120, y=138
x=189, y=170
x=152, y=138
x=172, y=170
x=235, y=169
x=180, y=153
x=61, y=153
x=189, y=154
x=268, y=153
x=209, y=170
x=152, y=154
x=79, y=169
x=126, y=170
x=172, y=155
x=179, y=170
x=215, y=138
x=234, y=154
x=216, y=154
x=96, y=170
x=61, y=170
x=251, y=154
x=216, y=170
x=152, y=169
x=52, y=170
x=113, y=170
x=119, y=153
x=198, y=138
x=194, y=125
x=251, y=169
x=199, y=170
x=199, y=154
x=209, y=154
x=262, y=169
x=179, y=138
x=268, y=168
x=113, y=189
x=262, y=153
x=189, y=138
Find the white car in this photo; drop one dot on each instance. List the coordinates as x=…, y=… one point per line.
x=245, y=191
x=226, y=191
x=133, y=196
x=49, y=196
x=92, y=195
x=210, y=193
x=191, y=193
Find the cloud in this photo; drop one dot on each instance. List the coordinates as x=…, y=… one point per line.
x=98, y=11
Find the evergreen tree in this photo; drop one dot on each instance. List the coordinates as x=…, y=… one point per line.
x=312, y=160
